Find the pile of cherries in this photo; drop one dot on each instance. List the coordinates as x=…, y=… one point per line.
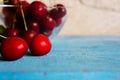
x=28, y=26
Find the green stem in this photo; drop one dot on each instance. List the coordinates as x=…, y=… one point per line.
x=3, y=36
x=23, y=16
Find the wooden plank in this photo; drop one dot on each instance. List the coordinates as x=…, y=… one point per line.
x=71, y=55
x=60, y=76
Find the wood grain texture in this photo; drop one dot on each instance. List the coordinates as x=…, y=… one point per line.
x=61, y=76
x=73, y=58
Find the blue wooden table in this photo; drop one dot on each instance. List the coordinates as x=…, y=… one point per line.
x=71, y=58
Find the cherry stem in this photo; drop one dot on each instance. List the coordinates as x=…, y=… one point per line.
x=23, y=16
x=3, y=36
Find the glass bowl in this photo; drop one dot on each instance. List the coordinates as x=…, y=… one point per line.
x=50, y=5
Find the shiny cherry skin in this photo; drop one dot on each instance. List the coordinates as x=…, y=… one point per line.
x=33, y=25
x=29, y=35
x=58, y=22
x=25, y=6
x=48, y=23
x=13, y=48
x=9, y=32
x=38, y=9
x=16, y=8
x=58, y=12
x=11, y=1
x=40, y=45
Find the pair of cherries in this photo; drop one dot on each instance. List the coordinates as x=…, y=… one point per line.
x=28, y=26
x=13, y=48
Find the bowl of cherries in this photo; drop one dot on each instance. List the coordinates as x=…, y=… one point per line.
x=29, y=27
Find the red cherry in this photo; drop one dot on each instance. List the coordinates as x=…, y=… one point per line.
x=33, y=25
x=19, y=25
x=10, y=19
x=28, y=35
x=38, y=9
x=58, y=12
x=9, y=32
x=40, y=45
x=13, y=48
x=16, y=7
x=47, y=33
x=6, y=11
x=58, y=22
x=15, y=2
x=25, y=6
x=48, y=23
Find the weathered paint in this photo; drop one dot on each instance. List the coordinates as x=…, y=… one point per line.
x=73, y=58
x=60, y=76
